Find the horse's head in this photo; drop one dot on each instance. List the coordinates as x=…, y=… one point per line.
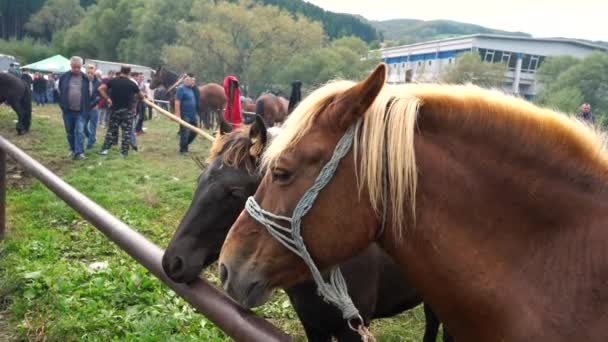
x=341, y=221
x=156, y=80
x=223, y=188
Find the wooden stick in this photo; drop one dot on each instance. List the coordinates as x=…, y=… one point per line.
x=180, y=121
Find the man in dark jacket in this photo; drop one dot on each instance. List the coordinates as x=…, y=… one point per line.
x=75, y=101
x=585, y=113
x=25, y=75
x=39, y=89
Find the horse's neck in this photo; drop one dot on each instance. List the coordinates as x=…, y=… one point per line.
x=501, y=235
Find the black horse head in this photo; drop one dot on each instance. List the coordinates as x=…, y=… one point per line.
x=223, y=187
x=163, y=76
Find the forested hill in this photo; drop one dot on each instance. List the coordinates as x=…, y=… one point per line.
x=405, y=31
x=335, y=24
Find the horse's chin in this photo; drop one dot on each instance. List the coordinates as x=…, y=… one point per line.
x=250, y=295
x=257, y=297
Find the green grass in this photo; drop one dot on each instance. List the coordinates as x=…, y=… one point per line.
x=47, y=290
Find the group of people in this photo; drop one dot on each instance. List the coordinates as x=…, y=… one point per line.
x=83, y=96
x=44, y=86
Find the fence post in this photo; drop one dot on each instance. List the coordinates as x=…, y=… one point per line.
x=2, y=193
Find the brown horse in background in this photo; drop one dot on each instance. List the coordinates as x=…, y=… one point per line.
x=212, y=99
x=501, y=201
x=271, y=108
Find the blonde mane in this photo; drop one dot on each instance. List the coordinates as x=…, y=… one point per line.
x=385, y=136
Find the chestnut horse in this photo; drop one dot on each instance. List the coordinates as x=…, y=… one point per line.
x=222, y=189
x=272, y=108
x=502, y=201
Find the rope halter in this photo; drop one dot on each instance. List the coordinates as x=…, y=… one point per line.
x=335, y=291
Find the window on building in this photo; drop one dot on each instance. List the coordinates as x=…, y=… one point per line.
x=450, y=60
x=506, y=56
x=533, y=63
x=419, y=63
x=513, y=61
x=489, y=56
x=525, y=64
x=482, y=53
x=497, y=57
x=430, y=62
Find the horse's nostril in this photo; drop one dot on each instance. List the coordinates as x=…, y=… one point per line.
x=176, y=266
x=223, y=273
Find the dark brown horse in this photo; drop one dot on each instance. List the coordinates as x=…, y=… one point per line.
x=212, y=99
x=374, y=281
x=495, y=209
x=272, y=108
x=16, y=93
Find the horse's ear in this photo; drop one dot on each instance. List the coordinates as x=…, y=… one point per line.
x=225, y=127
x=258, y=137
x=354, y=102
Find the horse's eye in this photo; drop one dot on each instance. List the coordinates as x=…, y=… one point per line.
x=281, y=175
x=237, y=192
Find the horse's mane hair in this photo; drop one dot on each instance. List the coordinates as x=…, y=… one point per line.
x=234, y=149
x=385, y=135
x=237, y=150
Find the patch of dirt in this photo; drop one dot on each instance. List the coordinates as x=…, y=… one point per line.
x=18, y=178
x=6, y=333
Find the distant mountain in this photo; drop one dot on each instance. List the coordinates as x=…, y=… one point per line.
x=405, y=31
x=336, y=25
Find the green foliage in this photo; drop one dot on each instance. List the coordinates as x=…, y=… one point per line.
x=567, y=100
x=245, y=39
x=566, y=83
x=153, y=26
x=470, y=69
x=100, y=32
x=27, y=50
x=55, y=15
x=342, y=59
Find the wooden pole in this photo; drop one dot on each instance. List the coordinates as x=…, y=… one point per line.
x=180, y=121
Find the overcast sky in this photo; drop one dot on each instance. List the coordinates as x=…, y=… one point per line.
x=586, y=19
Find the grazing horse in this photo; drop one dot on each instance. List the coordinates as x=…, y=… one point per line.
x=500, y=200
x=212, y=98
x=374, y=280
x=17, y=94
x=272, y=108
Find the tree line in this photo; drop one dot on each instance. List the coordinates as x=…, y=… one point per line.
x=258, y=43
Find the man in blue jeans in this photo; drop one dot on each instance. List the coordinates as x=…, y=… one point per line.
x=75, y=101
x=186, y=107
x=92, y=115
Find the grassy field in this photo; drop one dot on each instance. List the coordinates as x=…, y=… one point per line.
x=48, y=289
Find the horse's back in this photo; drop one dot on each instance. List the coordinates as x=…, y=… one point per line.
x=212, y=96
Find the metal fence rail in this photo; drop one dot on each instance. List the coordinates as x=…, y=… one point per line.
x=239, y=323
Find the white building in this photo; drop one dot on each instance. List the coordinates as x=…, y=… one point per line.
x=106, y=66
x=423, y=62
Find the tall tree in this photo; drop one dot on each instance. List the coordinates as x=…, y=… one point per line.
x=153, y=26
x=565, y=83
x=246, y=39
x=14, y=14
x=55, y=15
x=102, y=29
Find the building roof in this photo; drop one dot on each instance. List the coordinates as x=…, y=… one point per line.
x=498, y=36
